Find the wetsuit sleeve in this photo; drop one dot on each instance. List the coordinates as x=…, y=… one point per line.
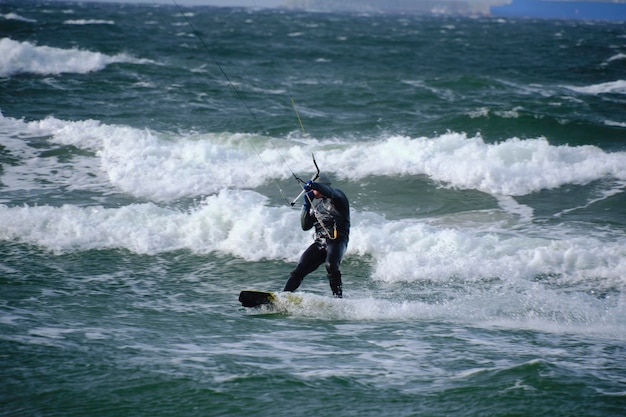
x=306, y=219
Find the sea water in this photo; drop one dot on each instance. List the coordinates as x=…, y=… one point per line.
x=148, y=157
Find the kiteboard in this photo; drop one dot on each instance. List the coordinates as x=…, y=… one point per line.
x=277, y=302
x=256, y=298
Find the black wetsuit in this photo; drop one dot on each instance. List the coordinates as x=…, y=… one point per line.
x=331, y=220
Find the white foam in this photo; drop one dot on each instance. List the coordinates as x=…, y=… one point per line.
x=617, y=57
x=507, y=306
x=15, y=16
x=88, y=22
x=513, y=167
x=616, y=124
x=41, y=173
x=510, y=205
x=418, y=252
x=165, y=167
x=24, y=57
x=244, y=225
x=485, y=112
x=615, y=189
x=612, y=87
x=236, y=223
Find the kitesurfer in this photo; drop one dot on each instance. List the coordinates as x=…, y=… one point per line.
x=330, y=215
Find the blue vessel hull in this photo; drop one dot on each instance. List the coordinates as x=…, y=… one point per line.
x=550, y=9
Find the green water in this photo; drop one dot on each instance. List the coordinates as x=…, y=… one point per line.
x=142, y=175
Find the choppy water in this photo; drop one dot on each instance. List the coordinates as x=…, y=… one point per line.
x=142, y=166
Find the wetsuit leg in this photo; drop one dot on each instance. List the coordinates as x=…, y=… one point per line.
x=310, y=260
x=334, y=254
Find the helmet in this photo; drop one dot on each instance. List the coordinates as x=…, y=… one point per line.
x=323, y=179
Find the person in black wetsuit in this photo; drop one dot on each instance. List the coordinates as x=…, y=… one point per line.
x=330, y=215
